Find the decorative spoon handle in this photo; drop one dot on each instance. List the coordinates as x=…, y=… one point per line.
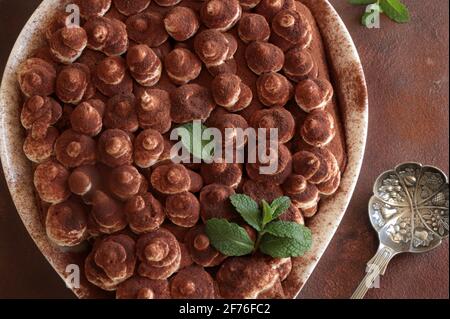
x=375, y=267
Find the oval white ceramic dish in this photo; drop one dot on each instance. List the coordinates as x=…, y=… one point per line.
x=351, y=90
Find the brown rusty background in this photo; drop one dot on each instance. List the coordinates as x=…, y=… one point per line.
x=407, y=72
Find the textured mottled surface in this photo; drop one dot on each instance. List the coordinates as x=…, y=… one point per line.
x=407, y=73
x=406, y=68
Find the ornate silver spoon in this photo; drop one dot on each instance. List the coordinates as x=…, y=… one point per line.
x=409, y=210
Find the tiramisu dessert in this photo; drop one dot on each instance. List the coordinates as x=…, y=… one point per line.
x=100, y=101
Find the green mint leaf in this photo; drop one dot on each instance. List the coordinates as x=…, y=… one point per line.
x=248, y=209
x=395, y=10
x=289, y=230
x=361, y=2
x=229, y=238
x=285, y=239
x=267, y=213
x=279, y=206
x=192, y=139
x=283, y=247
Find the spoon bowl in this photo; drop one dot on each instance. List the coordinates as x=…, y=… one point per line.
x=410, y=212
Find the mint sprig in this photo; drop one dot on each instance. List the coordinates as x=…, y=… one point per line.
x=229, y=238
x=193, y=139
x=279, y=239
x=267, y=213
x=285, y=239
x=394, y=9
x=248, y=209
x=279, y=206
x=282, y=247
x=288, y=230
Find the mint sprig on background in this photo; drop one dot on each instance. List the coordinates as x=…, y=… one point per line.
x=394, y=9
x=279, y=239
